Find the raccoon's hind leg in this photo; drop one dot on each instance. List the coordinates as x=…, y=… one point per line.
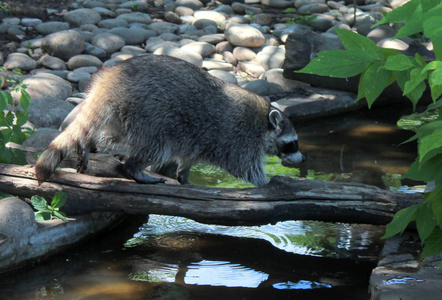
x=183, y=171
x=83, y=158
x=135, y=169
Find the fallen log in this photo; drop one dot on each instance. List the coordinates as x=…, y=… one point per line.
x=282, y=199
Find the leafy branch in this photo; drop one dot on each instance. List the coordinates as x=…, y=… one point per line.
x=379, y=68
x=46, y=212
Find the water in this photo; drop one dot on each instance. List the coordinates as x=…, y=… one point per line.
x=183, y=259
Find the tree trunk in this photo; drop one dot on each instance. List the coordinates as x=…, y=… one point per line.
x=282, y=199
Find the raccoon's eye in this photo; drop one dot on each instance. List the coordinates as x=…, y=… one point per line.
x=290, y=147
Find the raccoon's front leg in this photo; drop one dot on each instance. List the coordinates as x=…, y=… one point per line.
x=135, y=170
x=182, y=173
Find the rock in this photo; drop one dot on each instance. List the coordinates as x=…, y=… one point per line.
x=184, y=11
x=19, y=61
x=322, y=22
x=262, y=19
x=163, y=27
x=104, y=12
x=112, y=23
x=31, y=22
x=215, y=16
x=45, y=85
x=48, y=112
x=253, y=68
x=202, y=48
x=17, y=222
x=203, y=23
x=243, y=54
x=172, y=17
x=133, y=35
x=93, y=3
x=136, y=17
x=154, y=43
x=77, y=76
x=133, y=50
x=299, y=3
x=51, y=27
x=381, y=32
x=217, y=65
x=52, y=62
x=314, y=8
x=191, y=57
x=244, y=35
x=276, y=76
x=134, y=5
x=84, y=60
x=393, y=44
x=41, y=138
x=63, y=44
x=223, y=75
x=82, y=16
x=108, y=42
x=276, y=3
x=224, y=9
x=94, y=51
x=193, y=4
x=262, y=87
x=271, y=57
x=230, y=58
x=212, y=38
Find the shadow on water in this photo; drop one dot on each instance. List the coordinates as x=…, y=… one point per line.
x=177, y=258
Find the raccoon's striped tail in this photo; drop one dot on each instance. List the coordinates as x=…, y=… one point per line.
x=48, y=161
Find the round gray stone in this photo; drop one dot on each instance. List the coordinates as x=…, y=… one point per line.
x=63, y=44
x=244, y=35
x=48, y=112
x=83, y=60
x=262, y=87
x=136, y=17
x=202, y=48
x=108, y=42
x=51, y=27
x=20, y=61
x=271, y=57
x=223, y=75
x=193, y=4
x=82, y=16
x=52, y=62
x=112, y=23
x=131, y=36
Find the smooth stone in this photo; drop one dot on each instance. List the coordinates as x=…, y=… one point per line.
x=172, y=17
x=136, y=17
x=94, y=51
x=31, y=22
x=191, y=57
x=217, y=65
x=223, y=75
x=132, y=36
x=244, y=35
x=19, y=61
x=93, y=3
x=276, y=3
x=184, y=11
x=193, y=4
x=318, y=8
x=134, y=50
x=112, y=23
x=51, y=27
x=108, y=42
x=135, y=5
x=202, y=48
x=393, y=44
x=276, y=76
x=262, y=19
x=243, y=54
x=83, y=60
x=163, y=27
x=48, y=112
x=262, y=87
x=82, y=16
x=104, y=12
x=212, y=38
x=253, y=68
x=63, y=44
x=215, y=16
x=271, y=57
x=41, y=138
x=322, y=22
x=381, y=32
x=76, y=76
x=154, y=43
x=52, y=62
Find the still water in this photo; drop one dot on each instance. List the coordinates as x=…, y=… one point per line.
x=165, y=257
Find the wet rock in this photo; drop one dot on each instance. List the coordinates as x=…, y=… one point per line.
x=82, y=16
x=108, y=42
x=244, y=35
x=51, y=27
x=84, y=60
x=63, y=44
x=20, y=61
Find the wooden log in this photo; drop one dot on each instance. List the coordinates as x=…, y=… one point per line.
x=282, y=199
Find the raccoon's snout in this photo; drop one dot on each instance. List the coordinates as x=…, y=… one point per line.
x=290, y=160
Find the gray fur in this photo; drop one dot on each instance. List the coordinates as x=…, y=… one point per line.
x=164, y=110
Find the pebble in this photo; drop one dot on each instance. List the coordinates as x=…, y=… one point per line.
x=108, y=42
x=63, y=44
x=244, y=35
x=82, y=16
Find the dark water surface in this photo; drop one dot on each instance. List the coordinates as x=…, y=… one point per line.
x=177, y=258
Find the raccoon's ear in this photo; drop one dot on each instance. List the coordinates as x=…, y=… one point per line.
x=276, y=119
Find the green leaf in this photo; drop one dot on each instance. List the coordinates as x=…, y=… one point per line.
x=403, y=13
x=419, y=172
x=420, y=60
x=429, y=142
x=18, y=157
x=43, y=216
x=5, y=155
x=425, y=221
x=59, y=200
x=338, y=63
x=60, y=215
x=39, y=203
x=25, y=100
x=360, y=43
x=433, y=244
x=373, y=82
x=398, y=62
x=416, y=77
x=432, y=28
x=401, y=220
x=435, y=199
x=412, y=26
x=416, y=94
x=4, y=100
x=21, y=118
x=435, y=105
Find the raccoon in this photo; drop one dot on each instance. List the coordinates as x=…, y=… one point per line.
x=165, y=111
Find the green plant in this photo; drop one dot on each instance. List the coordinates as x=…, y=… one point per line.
x=4, y=7
x=46, y=212
x=378, y=69
x=12, y=122
x=303, y=18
